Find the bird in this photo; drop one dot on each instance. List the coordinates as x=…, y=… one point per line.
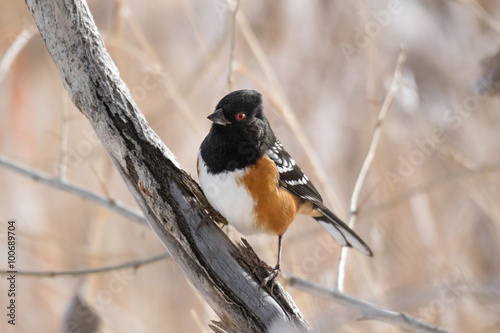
x=252, y=181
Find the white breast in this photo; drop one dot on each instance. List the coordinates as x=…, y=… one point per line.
x=228, y=197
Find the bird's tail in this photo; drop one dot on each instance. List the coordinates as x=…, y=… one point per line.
x=344, y=235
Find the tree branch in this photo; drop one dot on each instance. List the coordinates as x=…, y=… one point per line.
x=75, y=272
x=14, y=49
x=82, y=192
x=168, y=196
x=370, y=155
x=368, y=310
x=482, y=14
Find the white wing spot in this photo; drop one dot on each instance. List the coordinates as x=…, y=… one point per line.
x=301, y=181
x=284, y=165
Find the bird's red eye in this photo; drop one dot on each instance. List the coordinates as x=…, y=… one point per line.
x=240, y=116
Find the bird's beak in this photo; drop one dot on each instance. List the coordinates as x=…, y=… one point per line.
x=219, y=118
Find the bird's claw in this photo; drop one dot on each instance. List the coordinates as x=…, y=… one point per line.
x=271, y=278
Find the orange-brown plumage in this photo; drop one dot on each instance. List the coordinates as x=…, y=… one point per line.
x=275, y=208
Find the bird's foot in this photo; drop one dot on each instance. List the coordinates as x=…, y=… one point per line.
x=272, y=278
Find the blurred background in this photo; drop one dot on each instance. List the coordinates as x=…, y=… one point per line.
x=428, y=208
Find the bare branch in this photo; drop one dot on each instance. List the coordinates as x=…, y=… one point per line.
x=370, y=155
x=168, y=196
x=368, y=310
x=82, y=192
x=14, y=49
x=86, y=271
x=482, y=14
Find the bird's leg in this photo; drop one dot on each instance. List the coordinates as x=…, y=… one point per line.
x=275, y=273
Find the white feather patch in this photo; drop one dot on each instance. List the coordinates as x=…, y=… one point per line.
x=356, y=244
x=229, y=197
x=341, y=235
x=334, y=232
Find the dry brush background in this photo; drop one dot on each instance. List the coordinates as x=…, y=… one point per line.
x=429, y=206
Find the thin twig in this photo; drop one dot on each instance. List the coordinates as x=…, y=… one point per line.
x=14, y=49
x=368, y=161
x=233, y=42
x=78, y=190
x=482, y=14
x=86, y=271
x=102, y=184
x=368, y=310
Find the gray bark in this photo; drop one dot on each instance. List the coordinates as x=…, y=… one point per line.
x=167, y=195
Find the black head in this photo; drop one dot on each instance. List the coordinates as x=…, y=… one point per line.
x=241, y=109
x=240, y=132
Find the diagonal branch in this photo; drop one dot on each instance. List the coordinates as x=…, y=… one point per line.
x=85, y=271
x=368, y=310
x=82, y=192
x=370, y=155
x=167, y=195
x=482, y=14
x=13, y=51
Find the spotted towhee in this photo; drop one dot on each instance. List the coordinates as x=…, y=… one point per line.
x=248, y=176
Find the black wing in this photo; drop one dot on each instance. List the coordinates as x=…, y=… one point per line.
x=294, y=180
x=291, y=175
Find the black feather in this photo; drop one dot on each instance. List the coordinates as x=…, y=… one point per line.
x=332, y=219
x=292, y=177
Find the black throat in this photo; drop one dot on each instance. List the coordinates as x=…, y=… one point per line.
x=227, y=148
